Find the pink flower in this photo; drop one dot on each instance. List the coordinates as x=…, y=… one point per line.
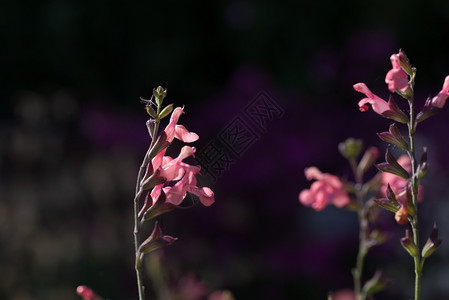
x=328, y=189
x=378, y=104
x=400, y=187
x=173, y=130
x=386, y=109
x=184, y=176
x=440, y=100
x=396, y=78
x=86, y=293
x=173, y=169
x=221, y=295
x=345, y=294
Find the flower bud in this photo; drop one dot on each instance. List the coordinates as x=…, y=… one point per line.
x=394, y=137
x=432, y=243
x=375, y=284
x=156, y=240
x=368, y=159
x=408, y=244
x=422, y=167
x=166, y=111
x=405, y=63
x=159, y=94
x=151, y=111
x=350, y=148
x=392, y=166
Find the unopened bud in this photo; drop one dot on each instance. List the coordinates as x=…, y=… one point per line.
x=350, y=148
x=368, y=159
x=405, y=63
x=159, y=94
x=432, y=243
x=408, y=244
x=156, y=240
x=166, y=111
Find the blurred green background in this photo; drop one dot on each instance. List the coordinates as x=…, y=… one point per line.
x=72, y=135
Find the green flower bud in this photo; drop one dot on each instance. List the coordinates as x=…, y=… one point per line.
x=351, y=148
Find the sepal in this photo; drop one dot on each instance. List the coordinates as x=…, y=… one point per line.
x=151, y=111
x=394, y=112
x=388, y=205
x=368, y=159
x=151, y=181
x=156, y=240
x=432, y=243
x=422, y=167
x=158, y=208
x=428, y=111
x=405, y=63
x=408, y=244
x=166, y=111
x=161, y=144
x=151, y=123
x=394, y=137
x=377, y=237
x=392, y=166
x=374, y=285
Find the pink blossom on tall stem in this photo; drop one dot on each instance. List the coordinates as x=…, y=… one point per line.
x=440, y=100
x=173, y=130
x=378, y=104
x=87, y=293
x=396, y=78
x=345, y=294
x=327, y=189
x=184, y=176
x=400, y=187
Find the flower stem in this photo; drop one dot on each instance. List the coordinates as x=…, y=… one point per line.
x=138, y=263
x=139, y=257
x=363, y=250
x=414, y=187
x=363, y=232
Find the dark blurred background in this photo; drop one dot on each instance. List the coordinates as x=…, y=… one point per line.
x=72, y=136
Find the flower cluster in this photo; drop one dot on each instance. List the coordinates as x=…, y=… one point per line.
x=165, y=180
x=401, y=177
x=327, y=189
x=164, y=169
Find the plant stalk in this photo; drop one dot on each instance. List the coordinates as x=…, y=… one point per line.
x=137, y=224
x=414, y=186
x=363, y=232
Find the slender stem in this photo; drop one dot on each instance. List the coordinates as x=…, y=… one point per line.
x=138, y=263
x=414, y=186
x=363, y=250
x=363, y=232
x=143, y=167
